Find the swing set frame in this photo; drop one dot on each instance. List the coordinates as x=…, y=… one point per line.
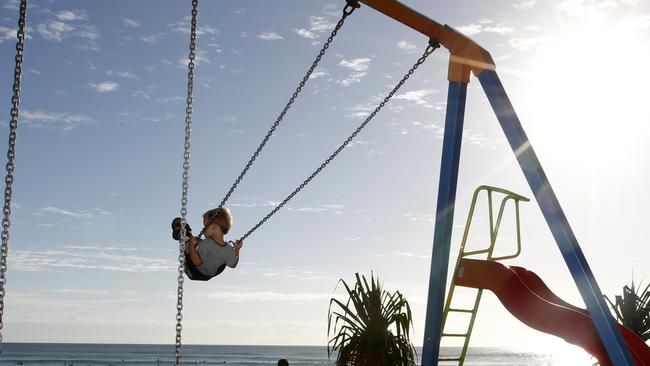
x=466, y=58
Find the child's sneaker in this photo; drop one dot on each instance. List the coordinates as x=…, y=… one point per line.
x=176, y=229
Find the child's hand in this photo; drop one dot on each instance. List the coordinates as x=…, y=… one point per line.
x=239, y=244
x=193, y=241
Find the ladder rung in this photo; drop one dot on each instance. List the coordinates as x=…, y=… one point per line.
x=454, y=335
x=448, y=359
x=461, y=310
x=474, y=252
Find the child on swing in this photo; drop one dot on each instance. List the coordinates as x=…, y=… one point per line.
x=207, y=258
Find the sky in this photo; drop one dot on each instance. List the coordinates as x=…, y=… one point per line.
x=99, y=160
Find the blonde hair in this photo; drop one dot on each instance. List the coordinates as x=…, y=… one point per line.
x=219, y=216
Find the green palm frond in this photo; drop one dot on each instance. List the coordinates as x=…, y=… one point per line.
x=371, y=328
x=632, y=309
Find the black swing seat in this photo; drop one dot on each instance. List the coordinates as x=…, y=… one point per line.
x=194, y=274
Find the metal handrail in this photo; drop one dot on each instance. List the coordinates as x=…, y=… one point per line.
x=494, y=230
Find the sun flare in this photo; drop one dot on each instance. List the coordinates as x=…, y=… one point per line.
x=588, y=91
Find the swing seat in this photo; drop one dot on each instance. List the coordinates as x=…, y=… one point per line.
x=194, y=274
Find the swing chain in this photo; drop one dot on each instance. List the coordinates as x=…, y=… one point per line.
x=11, y=155
x=433, y=45
x=350, y=6
x=186, y=178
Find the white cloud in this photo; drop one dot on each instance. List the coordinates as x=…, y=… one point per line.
x=127, y=75
x=183, y=26
x=406, y=46
x=140, y=117
x=474, y=137
x=470, y=29
x=41, y=118
x=87, y=31
x=152, y=39
x=591, y=9
x=200, y=58
x=415, y=217
x=95, y=247
x=176, y=99
x=499, y=29
x=254, y=204
x=305, y=33
x=525, y=44
x=70, y=259
x=58, y=29
x=267, y=296
x=84, y=292
x=105, y=87
x=54, y=30
x=7, y=34
x=484, y=26
x=317, y=24
x=359, y=67
x=307, y=209
x=320, y=24
x=360, y=110
x=318, y=73
x=81, y=215
x=71, y=15
x=524, y=4
x=130, y=22
x=419, y=97
x=357, y=64
x=270, y=36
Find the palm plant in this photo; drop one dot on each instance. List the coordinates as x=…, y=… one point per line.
x=371, y=328
x=633, y=309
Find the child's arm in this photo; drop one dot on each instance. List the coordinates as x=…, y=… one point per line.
x=233, y=259
x=194, y=254
x=238, y=245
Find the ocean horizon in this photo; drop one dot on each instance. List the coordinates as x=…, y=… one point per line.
x=96, y=354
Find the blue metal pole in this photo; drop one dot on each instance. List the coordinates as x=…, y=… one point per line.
x=556, y=220
x=444, y=221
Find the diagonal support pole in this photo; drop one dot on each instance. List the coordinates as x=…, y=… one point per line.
x=556, y=220
x=444, y=221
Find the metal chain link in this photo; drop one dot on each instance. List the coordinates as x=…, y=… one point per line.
x=11, y=155
x=433, y=45
x=347, y=11
x=186, y=179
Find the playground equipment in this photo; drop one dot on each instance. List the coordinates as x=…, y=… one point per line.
x=528, y=298
x=494, y=227
x=522, y=292
x=466, y=58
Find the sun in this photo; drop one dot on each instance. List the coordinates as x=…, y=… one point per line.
x=587, y=91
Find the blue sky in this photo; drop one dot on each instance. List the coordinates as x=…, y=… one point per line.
x=100, y=152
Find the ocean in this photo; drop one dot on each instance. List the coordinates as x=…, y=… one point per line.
x=61, y=354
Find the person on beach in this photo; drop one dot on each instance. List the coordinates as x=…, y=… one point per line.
x=207, y=258
x=283, y=362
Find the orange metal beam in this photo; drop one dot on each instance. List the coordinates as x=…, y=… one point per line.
x=466, y=55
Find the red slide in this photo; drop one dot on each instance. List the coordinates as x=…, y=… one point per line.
x=526, y=297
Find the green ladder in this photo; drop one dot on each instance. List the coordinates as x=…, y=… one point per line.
x=494, y=230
